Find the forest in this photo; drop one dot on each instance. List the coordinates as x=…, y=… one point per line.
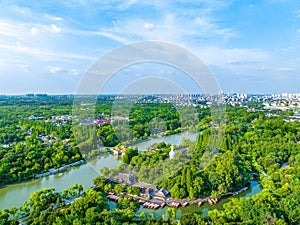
x=38, y=134
x=258, y=145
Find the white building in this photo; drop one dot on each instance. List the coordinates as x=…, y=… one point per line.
x=172, y=153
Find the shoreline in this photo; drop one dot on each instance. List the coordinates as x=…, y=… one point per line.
x=180, y=202
x=202, y=210
x=50, y=172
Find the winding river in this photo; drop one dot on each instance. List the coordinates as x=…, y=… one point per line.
x=15, y=195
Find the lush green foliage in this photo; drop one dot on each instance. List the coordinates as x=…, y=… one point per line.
x=30, y=145
x=32, y=141
x=255, y=146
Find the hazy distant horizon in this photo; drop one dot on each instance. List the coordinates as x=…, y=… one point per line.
x=131, y=94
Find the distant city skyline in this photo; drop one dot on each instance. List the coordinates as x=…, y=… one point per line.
x=250, y=46
x=44, y=94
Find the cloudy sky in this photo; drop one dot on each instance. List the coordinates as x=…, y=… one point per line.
x=250, y=46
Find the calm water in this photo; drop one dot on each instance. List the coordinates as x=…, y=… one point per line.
x=203, y=210
x=14, y=195
x=172, y=139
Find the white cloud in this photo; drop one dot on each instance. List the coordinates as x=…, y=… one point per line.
x=24, y=67
x=55, y=28
x=138, y=29
x=21, y=47
x=17, y=39
x=34, y=31
x=287, y=69
x=74, y=72
x=203, y=23
x=112, y=36
x=42, y=54
x=126, y=4
x=23, y=11
x=148, y=26
x=174, y=26
x=53, y=18
x=12, y=29
x=54, y=69
x=25, y=31
x=208, y=28
x=233, y=61
x=104, y=33
x=58, y=69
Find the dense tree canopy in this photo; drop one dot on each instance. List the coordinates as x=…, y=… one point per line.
x=256, y=146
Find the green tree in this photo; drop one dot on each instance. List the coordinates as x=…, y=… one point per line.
x=171, y=213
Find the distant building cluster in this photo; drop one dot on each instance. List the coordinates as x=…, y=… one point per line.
x=60, y=120
x=93, y=121
x=32, y=117
x=280, y=101
x=100, y=121
x=36, y=95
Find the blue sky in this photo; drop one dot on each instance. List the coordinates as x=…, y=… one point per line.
x=250, y=46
